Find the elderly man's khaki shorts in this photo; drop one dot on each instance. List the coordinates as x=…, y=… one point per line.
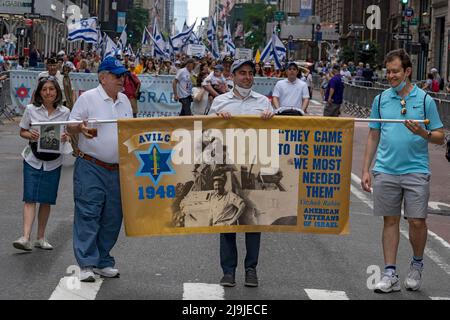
x=390, y=191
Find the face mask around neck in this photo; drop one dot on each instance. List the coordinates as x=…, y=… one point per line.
x=400, y=87
x=242, y=91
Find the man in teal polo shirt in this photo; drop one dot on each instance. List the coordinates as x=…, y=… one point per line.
x=401, y=172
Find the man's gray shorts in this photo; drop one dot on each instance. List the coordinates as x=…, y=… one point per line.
x=332, y=110
x=389, y=191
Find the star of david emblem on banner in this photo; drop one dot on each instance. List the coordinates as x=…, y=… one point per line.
x=155, y=163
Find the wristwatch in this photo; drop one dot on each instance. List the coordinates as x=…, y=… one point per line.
x=429, y=133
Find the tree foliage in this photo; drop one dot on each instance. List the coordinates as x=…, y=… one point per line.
x=137, y=20
x=256, y=17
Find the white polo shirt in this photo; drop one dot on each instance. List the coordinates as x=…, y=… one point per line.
x=96, y=104
x=291, y=94
x=254, y=104
x=40, y=114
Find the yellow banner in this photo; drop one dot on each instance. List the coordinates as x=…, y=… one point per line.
x=208, y=175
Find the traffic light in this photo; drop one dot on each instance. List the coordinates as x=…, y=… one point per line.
x=337, y=27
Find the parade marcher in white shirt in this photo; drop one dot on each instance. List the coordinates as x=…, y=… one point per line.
x=41, y=171
x=98, y=207
x=52, y=70
x=291, y=92
x=241, y=101
x=182, y=87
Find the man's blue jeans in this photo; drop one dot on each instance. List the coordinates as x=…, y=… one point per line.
x=98, y=214
x=229, y=254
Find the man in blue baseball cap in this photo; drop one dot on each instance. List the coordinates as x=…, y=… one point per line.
x=98, y=209
x=113, y=66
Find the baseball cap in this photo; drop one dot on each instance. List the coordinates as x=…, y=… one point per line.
x=433, y=70
x=228, y=59
x=219, y=67
x=52, y=61
x=112, y=65
x=267, y=65
x=239, y=63
x=291, y=64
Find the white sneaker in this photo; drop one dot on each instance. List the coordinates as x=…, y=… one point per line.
x=414, y=279
x=389, y=283
x=23, y=244
x=107, y=272
x=43, y=244
x=87, y=275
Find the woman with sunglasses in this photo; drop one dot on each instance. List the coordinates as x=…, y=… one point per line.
x=41, y=171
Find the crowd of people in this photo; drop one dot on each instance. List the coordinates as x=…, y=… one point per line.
x=225, y=89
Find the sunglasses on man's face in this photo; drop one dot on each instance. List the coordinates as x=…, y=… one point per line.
x=118, y=76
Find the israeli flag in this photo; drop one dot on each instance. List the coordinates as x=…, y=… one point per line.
x=182, y=39
x=228, y=40
x=85, y=29
x=122, y=44
x=158, y=51
x=212, y=37
x=145, y=37
x=212, y=29
x=110, y=48
x=274, y=50
x=158, y=36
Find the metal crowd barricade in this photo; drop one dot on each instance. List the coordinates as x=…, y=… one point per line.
x=358, y=99
x=358, y=102
x=444, y=111
x=6, y=109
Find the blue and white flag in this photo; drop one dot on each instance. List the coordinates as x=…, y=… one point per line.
x=99, y=47
x=274, y=50
x=212, y=29
x=182, y=39
x=110, y=48
x=212, y=37
x=194, y=39
x=145, y=37
x=130, y=50
x=170, y=48
x=85, y=29
x=157, y=35
x=122, y=44
x=228, y=41
x=158, y=52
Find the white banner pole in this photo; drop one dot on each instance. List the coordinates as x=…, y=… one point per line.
x=37, y=124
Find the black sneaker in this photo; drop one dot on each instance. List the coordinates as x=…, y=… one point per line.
x=228, y=280
x=251, y=279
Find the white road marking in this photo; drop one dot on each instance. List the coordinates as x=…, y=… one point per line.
x=85, y=290
x=203, y=291
x=315, y=294
x=436, y=205
x=433, y=255
x=440, y=298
